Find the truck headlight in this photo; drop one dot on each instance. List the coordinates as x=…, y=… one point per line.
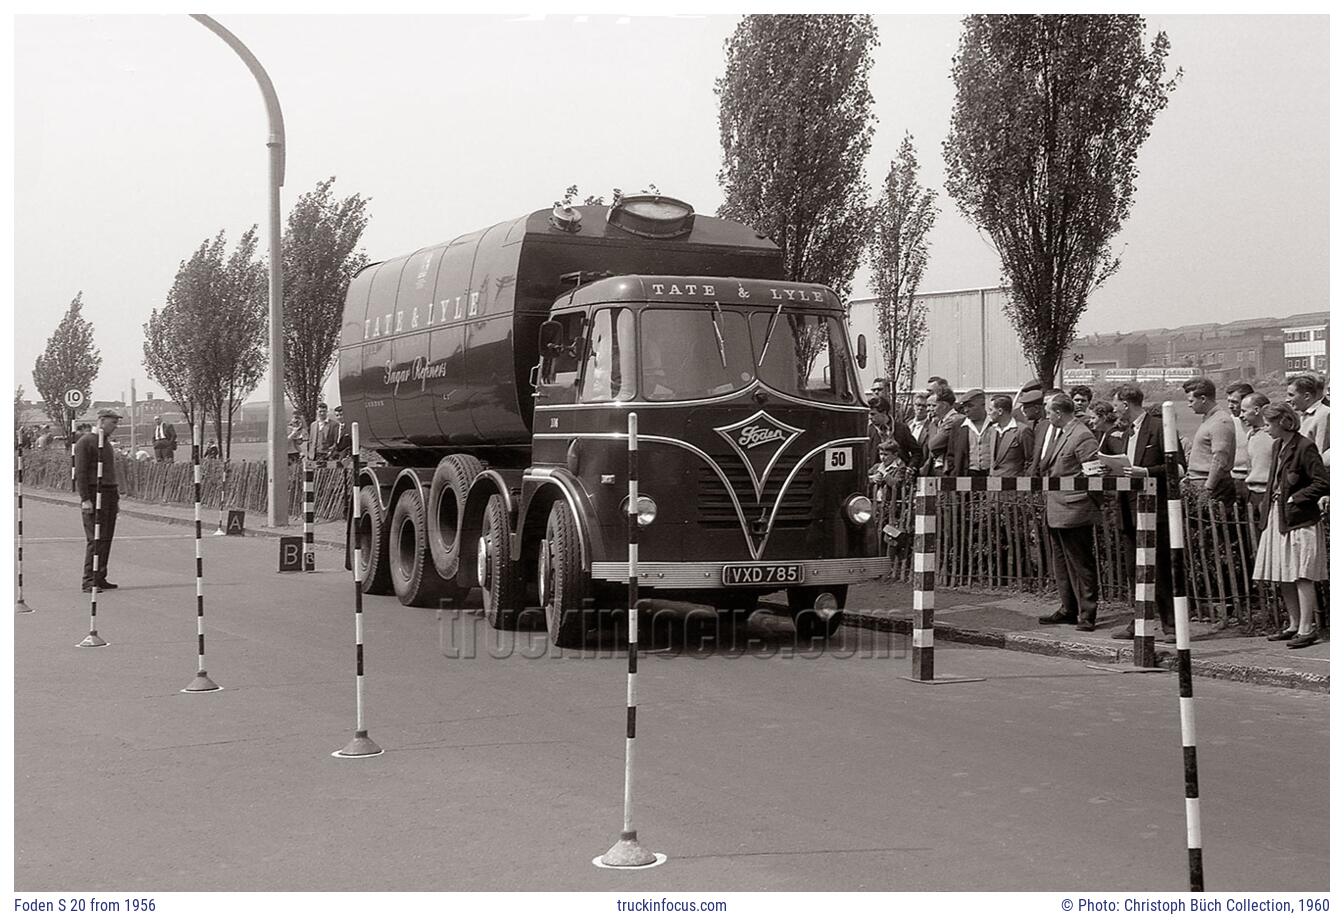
x=859, y=509
x=646, y=510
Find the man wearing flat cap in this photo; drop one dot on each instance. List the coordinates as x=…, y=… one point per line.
x=90, y=487
x=970, y=450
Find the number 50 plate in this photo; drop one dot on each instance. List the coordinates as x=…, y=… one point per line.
x=762, y=575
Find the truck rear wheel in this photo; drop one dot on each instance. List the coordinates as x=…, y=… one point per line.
x=807, y=623
x=371, y=532
x=414, y=578
x=447, y=498
x=501, y=593
x=563, y=585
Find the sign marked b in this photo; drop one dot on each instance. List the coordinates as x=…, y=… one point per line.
x=291, y=554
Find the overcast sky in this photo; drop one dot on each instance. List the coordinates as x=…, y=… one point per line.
x=136, y=137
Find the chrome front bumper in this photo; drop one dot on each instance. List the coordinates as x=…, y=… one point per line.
x=684, y=575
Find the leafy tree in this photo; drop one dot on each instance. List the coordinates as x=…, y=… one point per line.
x=168, y=359
x=320, y=257
x=795, y=124
x=207, y=346
x=899, y=252
x=1050, y=113
x=70, y=362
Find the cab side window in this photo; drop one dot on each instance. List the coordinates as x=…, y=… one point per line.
x=563, y=369
x=609, y=368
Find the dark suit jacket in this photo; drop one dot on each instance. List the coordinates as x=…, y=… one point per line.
x=1301, y=477
x=169, y=436
x=1150, y=454
x=1012, y=451
x=1065, y=456
x=340, y=445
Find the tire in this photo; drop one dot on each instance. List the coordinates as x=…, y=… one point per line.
x=563, y=587
x=414, y=579
x=501, y=593
x=447, y=498
x=807, y=625
x=371, y=531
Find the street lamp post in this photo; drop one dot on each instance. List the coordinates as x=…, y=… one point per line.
x=277, y=471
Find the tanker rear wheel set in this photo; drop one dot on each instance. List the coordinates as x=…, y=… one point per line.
x=371, y=536
x=415, y=580
x=447, y=497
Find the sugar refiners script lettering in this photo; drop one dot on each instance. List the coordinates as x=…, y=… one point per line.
x=420, y=369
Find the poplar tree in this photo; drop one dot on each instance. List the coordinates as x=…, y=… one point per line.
x=70, y=362
x=899, y=253
x=1049, y=117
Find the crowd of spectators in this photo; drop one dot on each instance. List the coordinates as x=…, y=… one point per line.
x=1272, y=455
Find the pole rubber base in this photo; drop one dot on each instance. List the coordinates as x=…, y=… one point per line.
x=201, y=684
x=92, y=640
x=360, y=746
x=21, y=607
x=628, y=853
x=945, y=679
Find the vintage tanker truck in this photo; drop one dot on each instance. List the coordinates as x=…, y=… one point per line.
x=494, y=374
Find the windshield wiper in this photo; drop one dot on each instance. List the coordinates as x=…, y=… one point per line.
x=769, y=331
x=718, y=333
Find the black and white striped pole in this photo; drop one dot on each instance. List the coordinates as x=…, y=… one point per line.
x=361, y=745
x=1181, y=609
x=202, y=682
x=93, y=640
x=20, y=605
x=628, y=852
x=308, y=501
x=71, y=428
x=223, y=493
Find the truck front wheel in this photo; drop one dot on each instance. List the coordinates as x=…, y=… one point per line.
x=414, y=578
x=371, y=533
x=808, y=624
x=564, y=586
x=495, y=570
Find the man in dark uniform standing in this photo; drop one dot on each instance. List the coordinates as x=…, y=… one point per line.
x=87, y=484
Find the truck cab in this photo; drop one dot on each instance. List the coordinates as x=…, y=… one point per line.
x=751, y=439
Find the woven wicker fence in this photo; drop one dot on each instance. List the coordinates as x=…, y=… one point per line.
x=999, y=541
x=171, y=483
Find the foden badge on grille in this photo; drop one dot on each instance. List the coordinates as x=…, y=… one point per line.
x=759, y=441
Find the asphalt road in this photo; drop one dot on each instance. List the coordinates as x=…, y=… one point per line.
x=757, y=768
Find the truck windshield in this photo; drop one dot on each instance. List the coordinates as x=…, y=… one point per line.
x=694, y=354
x=804, y=354
x=691, y=354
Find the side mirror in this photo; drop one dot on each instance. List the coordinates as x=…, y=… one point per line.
x=548, y=339
x=862, y=356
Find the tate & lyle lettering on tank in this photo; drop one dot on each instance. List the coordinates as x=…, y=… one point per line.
x=452, y=309
x=752, y=439
x=392, y=323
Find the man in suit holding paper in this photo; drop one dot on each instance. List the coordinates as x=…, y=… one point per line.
x=1137, y=436
x=1070, y=516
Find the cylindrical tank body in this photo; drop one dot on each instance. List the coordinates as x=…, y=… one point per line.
x=437, y=346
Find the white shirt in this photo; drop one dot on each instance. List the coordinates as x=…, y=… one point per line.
x=1132, y=448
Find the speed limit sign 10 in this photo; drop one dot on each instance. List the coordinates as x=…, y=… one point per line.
x=74, y=398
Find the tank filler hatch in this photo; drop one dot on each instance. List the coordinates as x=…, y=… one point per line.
x=653, y=216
